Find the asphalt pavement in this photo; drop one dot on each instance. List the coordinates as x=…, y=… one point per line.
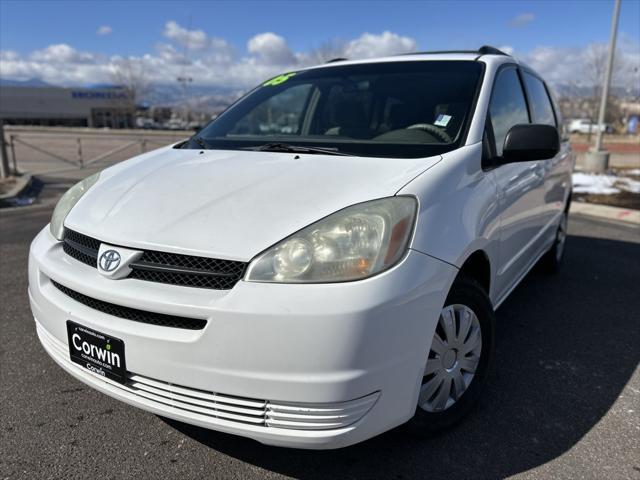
x=563, y=399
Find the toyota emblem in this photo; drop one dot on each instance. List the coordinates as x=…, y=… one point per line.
x=109, y=260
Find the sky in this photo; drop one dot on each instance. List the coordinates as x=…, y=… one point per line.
x=238, y=44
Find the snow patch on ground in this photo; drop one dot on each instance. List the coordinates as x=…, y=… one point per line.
x=601, y=184
x=630, y=185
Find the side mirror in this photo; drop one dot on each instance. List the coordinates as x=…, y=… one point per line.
x=527, y=142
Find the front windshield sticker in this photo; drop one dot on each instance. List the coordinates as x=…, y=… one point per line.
x=278, y=80
x=442, y=120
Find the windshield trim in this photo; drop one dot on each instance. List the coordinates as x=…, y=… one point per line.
x=382, y=149
x=474, y=104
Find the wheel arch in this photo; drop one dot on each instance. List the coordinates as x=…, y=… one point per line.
x=478, y=267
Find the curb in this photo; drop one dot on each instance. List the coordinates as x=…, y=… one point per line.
x=22, y=183
x=624, y=216
x=27, y=209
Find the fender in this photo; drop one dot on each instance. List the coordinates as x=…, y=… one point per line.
x=459, y=212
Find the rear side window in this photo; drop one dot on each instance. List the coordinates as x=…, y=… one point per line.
x=508, y=106
x=539, y=99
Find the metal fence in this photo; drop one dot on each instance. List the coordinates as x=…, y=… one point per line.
x=51, y=150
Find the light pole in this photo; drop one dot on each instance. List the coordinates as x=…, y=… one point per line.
x=597, y=160
x=184, y=81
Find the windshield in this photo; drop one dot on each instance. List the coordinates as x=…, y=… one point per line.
x=395, y=109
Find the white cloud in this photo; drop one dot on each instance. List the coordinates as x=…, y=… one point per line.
x=271, y=48
x=104, y=30
x=192, y=39
x=169, y=54
x=369, y=45
x=196, y=40
x=213, y=61
x=194, y=43
x=583, y=66
x=9, y=56
x=208, y=60
x=522, y=20
x=58, y=64
x=555, y=64
x=61, y=53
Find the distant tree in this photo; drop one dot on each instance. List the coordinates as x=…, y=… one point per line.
x=132, y=75
x=327, y=51
x=596, y=65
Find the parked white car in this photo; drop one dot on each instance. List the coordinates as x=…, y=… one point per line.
x=315, y=287
x=585, y=126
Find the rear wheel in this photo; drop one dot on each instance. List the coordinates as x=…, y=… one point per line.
x=459, y=357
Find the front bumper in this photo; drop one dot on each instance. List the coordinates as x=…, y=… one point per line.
x=329, y=364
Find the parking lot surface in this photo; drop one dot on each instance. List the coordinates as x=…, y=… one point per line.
x=563, y=400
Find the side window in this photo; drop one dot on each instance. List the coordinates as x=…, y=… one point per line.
x=540, y=104
x=508, y=106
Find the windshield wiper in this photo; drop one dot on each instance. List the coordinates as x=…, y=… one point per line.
x=200, y=142
x=285, y=147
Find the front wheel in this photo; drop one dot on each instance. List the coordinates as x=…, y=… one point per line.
x=458, y=361
x=552, y=260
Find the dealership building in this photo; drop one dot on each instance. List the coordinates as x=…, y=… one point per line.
x=73, y=107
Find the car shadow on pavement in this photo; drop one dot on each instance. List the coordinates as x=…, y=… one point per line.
x=566, y=346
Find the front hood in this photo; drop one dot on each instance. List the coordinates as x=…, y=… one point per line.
x=229, y=204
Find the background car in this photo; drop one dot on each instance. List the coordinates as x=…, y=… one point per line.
x=585, y=126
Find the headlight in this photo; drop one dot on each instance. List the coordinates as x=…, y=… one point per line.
x=67, y=202
x=354, y=243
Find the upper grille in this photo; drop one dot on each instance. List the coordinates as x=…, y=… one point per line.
x=82, y=248
x=163, y=267
x=187, y=270
x=133, y=314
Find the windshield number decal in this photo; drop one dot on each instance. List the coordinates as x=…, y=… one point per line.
x=278, y=80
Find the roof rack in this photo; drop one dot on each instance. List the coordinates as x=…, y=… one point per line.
x=489, y=50
x=336, y=60
x=484, y=50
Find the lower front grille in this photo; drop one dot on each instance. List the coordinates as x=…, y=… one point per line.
x=226, y=407
x=295, y=416
x=133, y=314
x=208, y=406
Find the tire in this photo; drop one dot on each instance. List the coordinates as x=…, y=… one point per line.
x=429, y=417
x=552, y=260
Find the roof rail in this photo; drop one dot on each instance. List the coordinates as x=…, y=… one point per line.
x=428, y=52
x=336, y=60
x=489, y=50
x=484, y=50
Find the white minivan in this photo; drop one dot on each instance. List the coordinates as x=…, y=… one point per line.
x=322, y=262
